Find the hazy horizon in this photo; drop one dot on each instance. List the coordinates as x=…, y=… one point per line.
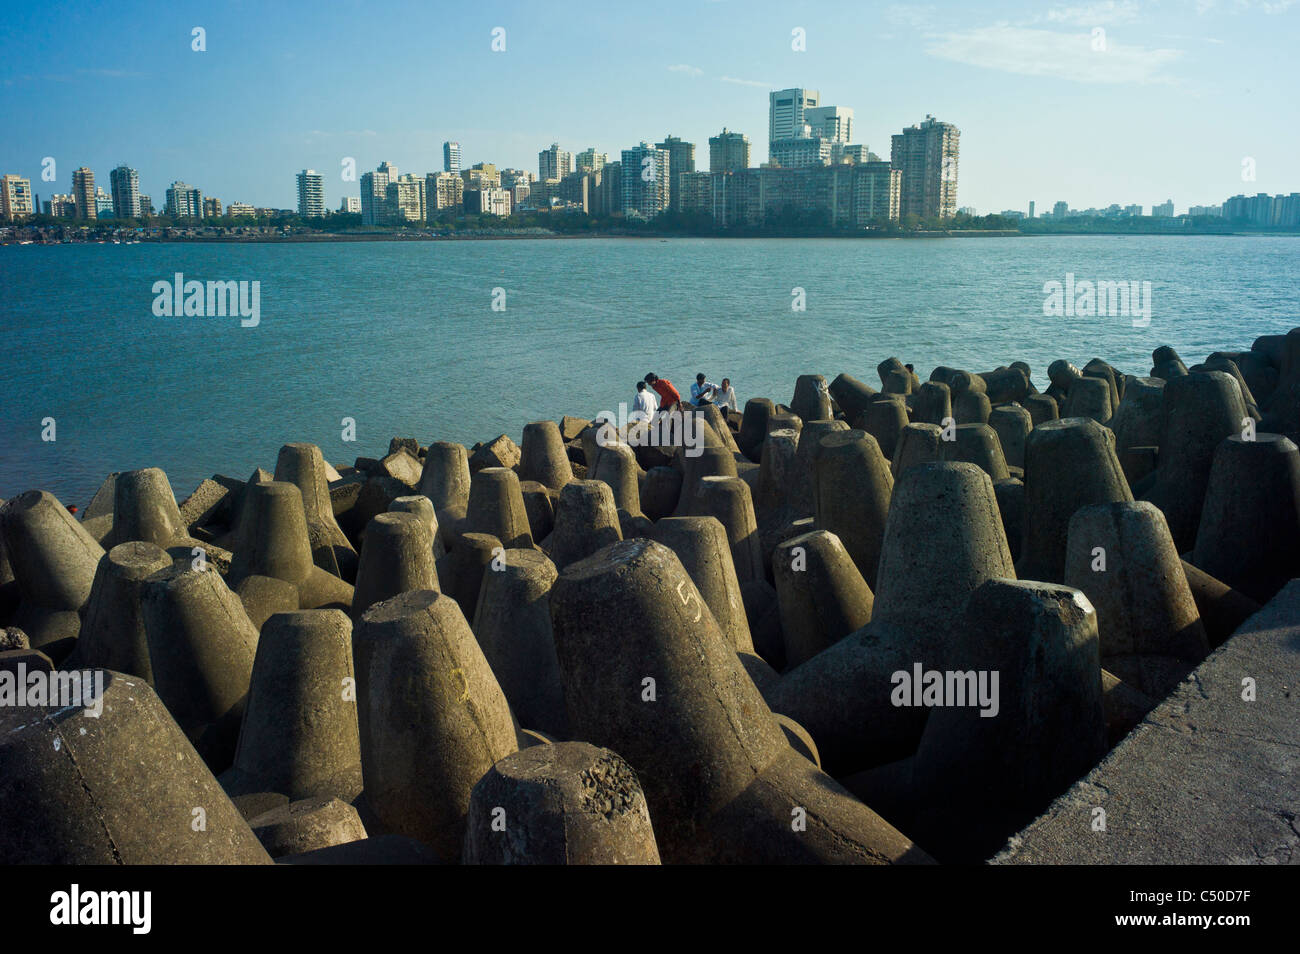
x=1168, y=101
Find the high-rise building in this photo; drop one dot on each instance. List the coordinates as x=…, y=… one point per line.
x=405, y=199
x=351, y=205
x=512, y=177
x=15, y=198
x=554, y=163
x=184, y=201
x=787, y=109
x=212, y=208
x=451, y=157
x=1031, y=208
x=608, y=197
x=488, y=201
x=542, y=192
x=681, y=159
x=728, y=152
x=311, y=194
x=103, y=204
x=833, y=123
x=83, y=193
x=878, y=190
x=1060, y=210
x=482, y=175
x=61, y=206
x=926, y=155
x=237, y=209
x=146, y=205
x=800, y=152
x=374, y=191
x=443, y=190
x=646, y=169
x=589, y=160
x=125, y=183
x=1163, y=211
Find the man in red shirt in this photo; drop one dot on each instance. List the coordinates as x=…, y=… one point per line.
x=669, y=397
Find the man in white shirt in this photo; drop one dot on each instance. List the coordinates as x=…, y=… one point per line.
x=726, y=396
x=644, y=405
x=702, y=392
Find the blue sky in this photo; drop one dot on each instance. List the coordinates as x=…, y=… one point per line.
x=1181, y=94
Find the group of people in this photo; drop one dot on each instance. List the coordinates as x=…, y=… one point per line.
x=654, y=394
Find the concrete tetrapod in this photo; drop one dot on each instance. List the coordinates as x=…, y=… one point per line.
x=422, y=507
x=802, y=495
x=309, y=824
x=943, y=539
x=432, y=717
x=396, y=557
x=728, y=500
x=853, y=397
x=853, y=490
x=125, y=788
x=812, y=399
x=1069, y=463
x=1250, y=523
x=1006, y=754
x=917, y=444
x=1041, y=408
x=585, y=520
x=299, y=735
x=821, y=594
x=753, y=426
x=1089, y=397
x=273, y=541
x=932, y=403
x=885, y=419
x=302, y=465
x=778, y=477
x=445, y=480
x=701, y=545
x=201, y=649
x=496, y=507
x=542, y=455
x=513, y=626
x=1122, y=557
x=661, y=493
x=1012, y=423
x=616, y=465
x=1200, y=410
x=53, y=560
x=461, y=571
x=647, y=673
x=144, y=508
x=714, y=460
x=113, y=634
x=564, y=804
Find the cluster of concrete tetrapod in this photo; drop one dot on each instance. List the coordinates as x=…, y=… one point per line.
x=573, y=650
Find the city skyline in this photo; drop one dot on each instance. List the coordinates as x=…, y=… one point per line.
x=1126, y=125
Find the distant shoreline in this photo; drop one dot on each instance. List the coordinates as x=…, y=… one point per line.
x=332, y=237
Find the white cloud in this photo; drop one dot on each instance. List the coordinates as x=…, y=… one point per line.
x=745, y=82
x=1067, y=56
x=916, y=16
x=1095, y=14
x=685, y=68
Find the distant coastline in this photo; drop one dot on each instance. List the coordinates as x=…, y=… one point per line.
x=71, y=236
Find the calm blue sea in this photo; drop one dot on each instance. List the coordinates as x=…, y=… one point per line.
x=402, y=337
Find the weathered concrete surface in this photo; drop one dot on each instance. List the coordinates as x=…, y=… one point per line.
x=1207, y=778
